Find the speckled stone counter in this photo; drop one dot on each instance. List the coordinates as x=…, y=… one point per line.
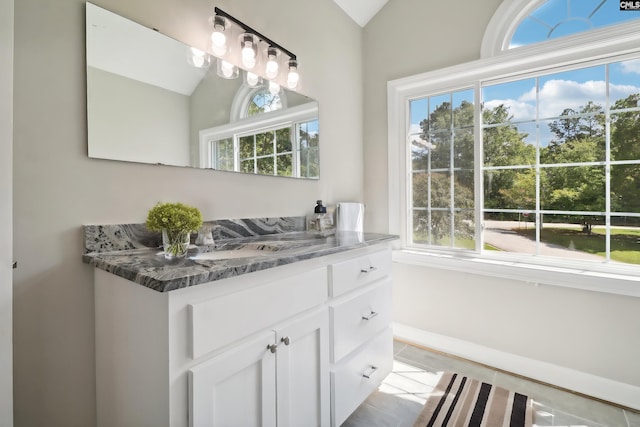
x=132, y=252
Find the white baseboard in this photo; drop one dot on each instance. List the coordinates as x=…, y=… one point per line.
x=581, y=382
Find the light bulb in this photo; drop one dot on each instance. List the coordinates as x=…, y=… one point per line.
x=252, y=79
x=248, y=52
x=271, y=69
x=293, y=77
x=249, y=62
x=274, y=88
x=218, y=38
x=227, y=69
x=198, y=58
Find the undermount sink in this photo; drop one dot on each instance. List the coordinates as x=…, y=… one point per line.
x=229, y=254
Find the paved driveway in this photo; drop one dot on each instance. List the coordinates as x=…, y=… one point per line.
x=500, y=234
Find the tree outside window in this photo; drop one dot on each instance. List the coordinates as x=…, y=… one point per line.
x=560, y=164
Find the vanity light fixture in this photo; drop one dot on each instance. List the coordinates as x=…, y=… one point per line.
x=254, y=51
x=218, y=37
x=293, y=77
x=198, y=58
x=274, y=88
x=252, y=79
x=271, y=69
x=226, y=69
x=248, y=51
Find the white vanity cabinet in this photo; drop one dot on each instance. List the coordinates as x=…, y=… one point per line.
x=286, y=346
x=361, y=335
x=277, y=379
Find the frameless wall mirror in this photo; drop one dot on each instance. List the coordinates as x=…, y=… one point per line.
x=153, y=99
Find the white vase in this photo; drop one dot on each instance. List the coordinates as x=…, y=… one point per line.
x=175, y=243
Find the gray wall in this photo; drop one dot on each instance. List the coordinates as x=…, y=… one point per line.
x=210, y=106
x=6, y=203
x=140, y=110
x=587, y=331
x=58, y=188
x=405, y=38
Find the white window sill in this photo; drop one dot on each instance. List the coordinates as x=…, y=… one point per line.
x=607, y=280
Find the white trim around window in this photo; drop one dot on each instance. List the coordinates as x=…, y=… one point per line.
x=619, y=42
x=511, y=13
x=503, y=24
x=254, y=124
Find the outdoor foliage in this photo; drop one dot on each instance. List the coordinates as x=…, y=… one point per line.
x=577, y=137
x=267, y=153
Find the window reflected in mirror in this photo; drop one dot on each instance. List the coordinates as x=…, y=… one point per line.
x=289, y=150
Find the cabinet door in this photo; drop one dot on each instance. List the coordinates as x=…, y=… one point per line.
x=236, y=388
x=303, y=379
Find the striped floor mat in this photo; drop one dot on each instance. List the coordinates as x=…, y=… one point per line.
x=459, y=401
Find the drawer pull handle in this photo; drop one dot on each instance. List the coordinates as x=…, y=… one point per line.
x=369, y=270
x=369, y=372
x=369, y=316
x=286, y=340
x=272, y=348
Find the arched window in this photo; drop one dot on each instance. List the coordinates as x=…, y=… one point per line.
x=525, y=23
x=263, y=102
x=251, y=101
x=536, y=142
x=560, y=18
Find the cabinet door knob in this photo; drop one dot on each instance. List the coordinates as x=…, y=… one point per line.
x=369, y=270
x=286, y=340
x=272, y=348
x=370, y=315
x=369, y=372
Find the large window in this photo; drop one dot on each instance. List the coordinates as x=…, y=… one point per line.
x=560, y=165
x=534, y=154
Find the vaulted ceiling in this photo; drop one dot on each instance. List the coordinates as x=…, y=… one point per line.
x=361, y=11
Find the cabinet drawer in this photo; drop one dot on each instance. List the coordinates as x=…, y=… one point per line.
x=358, y=319
x=349, y=383
x=356, y=272
x=218, y=322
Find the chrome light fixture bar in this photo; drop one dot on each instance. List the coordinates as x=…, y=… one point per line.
x=250, y=41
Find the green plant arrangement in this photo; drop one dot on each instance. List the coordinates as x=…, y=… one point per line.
x=176, y=221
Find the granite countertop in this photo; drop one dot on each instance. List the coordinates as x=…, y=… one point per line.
x=243, y=252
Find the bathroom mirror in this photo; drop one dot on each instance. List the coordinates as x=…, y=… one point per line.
x=153, y=99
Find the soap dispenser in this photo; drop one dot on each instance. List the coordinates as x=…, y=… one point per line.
x=320, y=209
x=320, y=221
x=320, y=212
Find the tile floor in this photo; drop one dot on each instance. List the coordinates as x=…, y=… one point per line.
x=416, y=371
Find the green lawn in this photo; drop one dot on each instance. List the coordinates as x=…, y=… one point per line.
x=625, y=243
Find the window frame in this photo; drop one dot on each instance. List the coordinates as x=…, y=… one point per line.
x=510, y=15
x=290, y=117
x=244, y=97
x=618, y=43
x=273, y=156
